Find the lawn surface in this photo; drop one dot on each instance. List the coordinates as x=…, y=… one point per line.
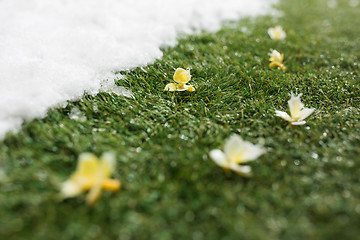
x=305, y=187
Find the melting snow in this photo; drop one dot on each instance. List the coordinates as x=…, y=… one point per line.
x=53, y=51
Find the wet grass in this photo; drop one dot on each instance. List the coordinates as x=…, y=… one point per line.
x=306, y=186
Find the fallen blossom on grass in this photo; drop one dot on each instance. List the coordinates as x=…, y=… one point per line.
x=277, y=33
x=91, y=174
x=236, y=152
x=276, y=60
x=297, y=111
x=181, y=77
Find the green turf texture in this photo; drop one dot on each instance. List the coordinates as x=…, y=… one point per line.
x=305, y=187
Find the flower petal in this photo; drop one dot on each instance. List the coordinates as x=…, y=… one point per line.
x=219, y=158
x=271, y=32
x=295, y=105
x=305, y=113
x=277, y=33
x=96, y=189
x=276, y=56
x=283, y=115
x=239, y=151
x=298, y=123
x=282, y=67
x=70, y=189
x=182, y=76
x=111, y=184
x=190, y=88
x=87, y=165
x=244, y=171
x=94, y=194
x=171, y=87
x=108, y=163
x=232, y=145
x=251, y=152
x=276, y=60
x=185, y=77
x=275, y=64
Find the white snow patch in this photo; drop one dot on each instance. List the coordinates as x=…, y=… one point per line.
x=53, y=51
x=121, y=91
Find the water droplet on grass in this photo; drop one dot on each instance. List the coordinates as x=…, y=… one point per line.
x=99, y=130
x=315, y=155
x=297, y=162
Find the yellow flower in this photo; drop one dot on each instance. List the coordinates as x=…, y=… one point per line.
x=91, y=174
x=277, y=33
x=276, y=60
x=181, y=77
x=236, y=151
x=297, y=111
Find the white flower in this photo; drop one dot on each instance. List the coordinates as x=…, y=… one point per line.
x=297, y=111
x=236, y=151
x=276, y=60
x=277, y=33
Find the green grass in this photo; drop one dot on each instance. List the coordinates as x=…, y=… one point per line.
x=305, y=187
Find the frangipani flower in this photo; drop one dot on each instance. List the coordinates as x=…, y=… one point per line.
x=91, y=174
x=236, y=151
x=276, y=60
x=277, y=33
x=297, y=111
x=181, y=77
